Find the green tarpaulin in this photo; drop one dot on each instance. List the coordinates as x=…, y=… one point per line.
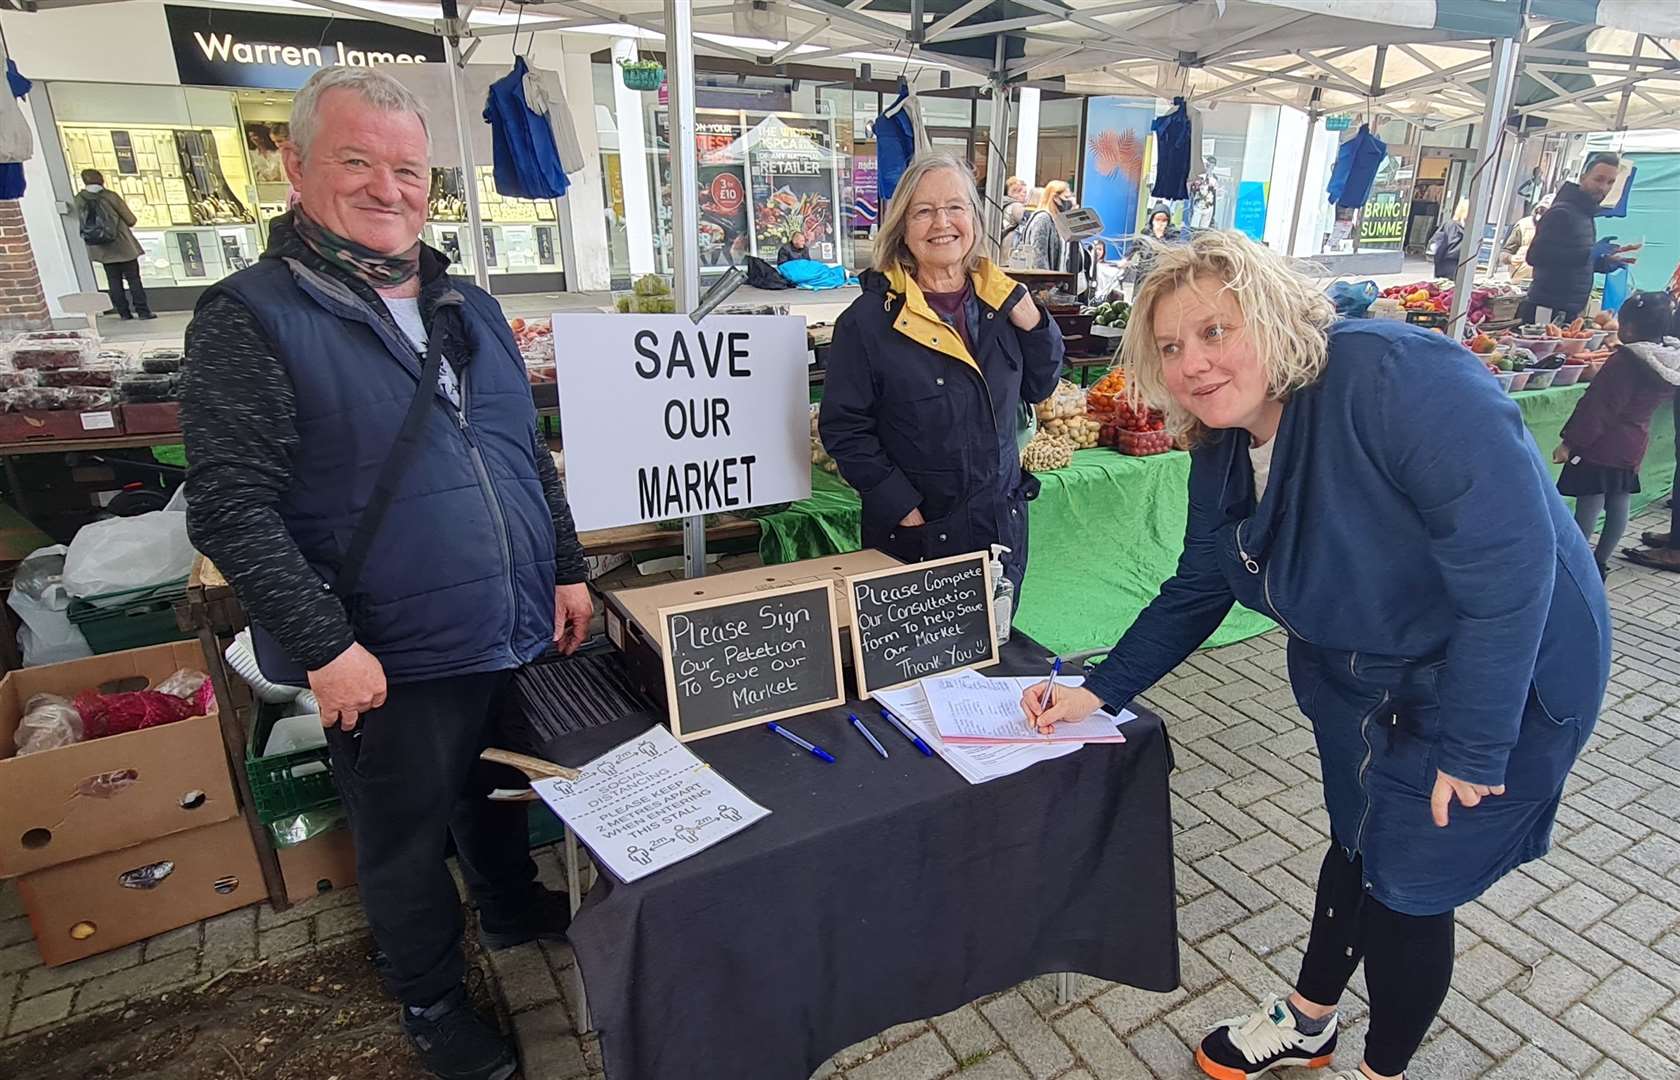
x=1108, y=529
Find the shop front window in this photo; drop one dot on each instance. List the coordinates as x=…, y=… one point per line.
x=177, y=157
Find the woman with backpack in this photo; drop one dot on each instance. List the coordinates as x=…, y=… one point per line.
x=106, y=227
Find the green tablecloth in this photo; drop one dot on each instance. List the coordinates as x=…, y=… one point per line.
x=1108, y=529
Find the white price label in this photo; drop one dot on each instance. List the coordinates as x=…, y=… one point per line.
x=98, y=421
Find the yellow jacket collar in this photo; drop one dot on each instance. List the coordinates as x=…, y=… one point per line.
x=918, y=321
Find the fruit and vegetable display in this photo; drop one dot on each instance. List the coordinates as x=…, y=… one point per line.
x=649, y=294
x=99, y=379
x=1046, y=452
x=535, y=338
x=1081, y=431
x=1066, y=402
x=1436, y=297
x=819, y=455
x=1115, y=313
x=1135, y=430
x=1102, y=395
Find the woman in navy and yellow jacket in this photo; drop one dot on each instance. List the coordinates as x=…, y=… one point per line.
x=928, y=372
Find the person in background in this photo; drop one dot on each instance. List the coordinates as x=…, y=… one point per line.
x=303, y=369
x=107, y=228
x=792, y=248
x=1161, y=225
x=1448, y=241
x=1604, y=442
x=929, y=370
x=1566, y=251
x=1042, y=245
x=1521, y=237
x=1015, y=207
x=1361, y=482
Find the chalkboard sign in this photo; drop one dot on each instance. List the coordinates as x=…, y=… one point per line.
x=914, y=621
x=744, y=660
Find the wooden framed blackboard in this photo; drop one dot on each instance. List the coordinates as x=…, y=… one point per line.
x=743, y=660
x=919, y=620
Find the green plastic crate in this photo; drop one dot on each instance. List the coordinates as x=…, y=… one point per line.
x=130, y=618
x=285, y=785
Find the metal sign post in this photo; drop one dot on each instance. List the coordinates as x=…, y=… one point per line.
x=1501, y=85
x=685, y=212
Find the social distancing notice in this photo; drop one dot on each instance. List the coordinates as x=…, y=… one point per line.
x=664, y=419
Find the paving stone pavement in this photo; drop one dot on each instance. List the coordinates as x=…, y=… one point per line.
x=1570, y=967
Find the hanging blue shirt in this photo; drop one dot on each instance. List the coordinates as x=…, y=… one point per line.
x=1172, y=152
x=895, y=143
x=1357, y=162
x=11, y=172
x=522, y=141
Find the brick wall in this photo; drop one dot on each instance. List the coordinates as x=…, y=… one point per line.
x=23, y=306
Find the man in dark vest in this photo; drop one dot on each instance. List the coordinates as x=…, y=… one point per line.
x=300, y=372
x=1566, y=251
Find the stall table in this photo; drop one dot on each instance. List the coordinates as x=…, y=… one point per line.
x=876, y=892
x=1107, y=530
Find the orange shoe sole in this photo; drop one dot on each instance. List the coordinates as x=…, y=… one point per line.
x=1226, y=1072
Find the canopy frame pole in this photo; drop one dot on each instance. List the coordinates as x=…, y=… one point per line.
x=469, y=171
x=685, y=213
x=997, y=156
x=1502, y=198
x=1502, y=82
x=1313, y=115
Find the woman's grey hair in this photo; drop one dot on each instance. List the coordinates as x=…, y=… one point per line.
x=374, y=87
x=891, y=249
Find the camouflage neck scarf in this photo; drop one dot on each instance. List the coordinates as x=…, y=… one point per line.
x=377, y=269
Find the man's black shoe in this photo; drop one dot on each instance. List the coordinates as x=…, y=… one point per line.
x=147, y=315
x=549, y=916
x=455, y=1043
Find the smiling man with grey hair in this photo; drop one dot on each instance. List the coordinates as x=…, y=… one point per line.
x=367, y=472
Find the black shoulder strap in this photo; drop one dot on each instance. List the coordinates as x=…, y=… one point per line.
x=390, y=474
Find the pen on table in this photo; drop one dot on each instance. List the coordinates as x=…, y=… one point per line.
x=811, y=748
x=904, y=730
x=870, y=735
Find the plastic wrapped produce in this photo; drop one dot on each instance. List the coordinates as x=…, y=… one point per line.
x=88, y=398
x=34, y=397
x=160, y=365
x=51, y=353
x=114, y=358
x=1047, y=452
x=11, y=380
x=48, y=723
x=74, y=376
x=117, y=714
x=1067, y=402
x=146, y=388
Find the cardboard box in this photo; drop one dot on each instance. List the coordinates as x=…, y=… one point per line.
x=105, y=794
x=632, y=615
x=94, y=905
x=318, y=865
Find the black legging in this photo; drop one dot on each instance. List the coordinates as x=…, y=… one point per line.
x=1674, y=496
x=1408, y=961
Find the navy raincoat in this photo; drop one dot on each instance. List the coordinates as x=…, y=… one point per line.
x=1443, y=609
x=914, y=419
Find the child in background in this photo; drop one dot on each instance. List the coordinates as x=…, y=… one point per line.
x=1605, y=440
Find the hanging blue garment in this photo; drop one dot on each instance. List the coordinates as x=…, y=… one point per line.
x=1172, y=152
x=11, y=180
x=1620, y=208
x=522, y=141
x=895, y=142
x=1357, y=162
x=14, y=78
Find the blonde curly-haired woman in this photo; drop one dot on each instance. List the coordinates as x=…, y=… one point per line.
x=1368, y=485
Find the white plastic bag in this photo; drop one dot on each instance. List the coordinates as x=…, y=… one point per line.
x=48, y=723
x=38, y=596
x=128, y=553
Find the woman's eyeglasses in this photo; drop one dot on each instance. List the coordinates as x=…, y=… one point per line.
x=924, y=215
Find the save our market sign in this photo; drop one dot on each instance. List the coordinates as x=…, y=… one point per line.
x=665, y=419
x=232, y=47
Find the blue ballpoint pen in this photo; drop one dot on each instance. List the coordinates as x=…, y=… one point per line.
x=1050, y=687
x=904, y=730
x=811, y=748
x=870, y=735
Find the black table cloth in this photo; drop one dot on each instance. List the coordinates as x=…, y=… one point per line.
x=876, y=892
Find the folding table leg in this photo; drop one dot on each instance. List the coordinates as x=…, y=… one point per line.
x=574, y=889
x=1064, y=987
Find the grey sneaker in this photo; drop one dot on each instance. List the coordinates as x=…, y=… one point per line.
x=1248, y=1047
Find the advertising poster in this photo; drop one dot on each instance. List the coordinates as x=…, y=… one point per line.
x=721, y=177
x=1383, y=223
x=791, y=166
x=1250, y=218
x=866, y=193
x=1117, y=137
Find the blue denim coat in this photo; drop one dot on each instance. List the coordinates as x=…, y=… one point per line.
x=1444, y=611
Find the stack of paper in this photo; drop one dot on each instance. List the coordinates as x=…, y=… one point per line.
x=973, y=709
x=648, y=803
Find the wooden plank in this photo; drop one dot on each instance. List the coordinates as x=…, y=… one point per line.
x=649, y=537
x=66, y=446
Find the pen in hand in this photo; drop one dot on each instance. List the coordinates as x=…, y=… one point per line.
x=1049, y=687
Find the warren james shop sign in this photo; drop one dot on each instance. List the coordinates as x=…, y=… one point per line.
x=222, y=47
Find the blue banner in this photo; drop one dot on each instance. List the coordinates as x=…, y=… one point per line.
x=1117, y=134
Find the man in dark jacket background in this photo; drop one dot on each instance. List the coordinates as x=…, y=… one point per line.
x=1566, y=251
x=300, y=373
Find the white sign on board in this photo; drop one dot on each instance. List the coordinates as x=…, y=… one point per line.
x=665, y=419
